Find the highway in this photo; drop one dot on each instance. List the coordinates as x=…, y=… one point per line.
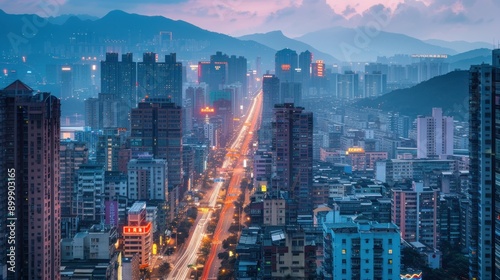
x=241, y=144
x=180, y=269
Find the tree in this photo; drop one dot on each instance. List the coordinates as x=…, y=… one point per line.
x=164, y=268
x=412, y=258
x=192, y=213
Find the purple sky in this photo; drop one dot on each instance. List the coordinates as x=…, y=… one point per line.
x=469, y=20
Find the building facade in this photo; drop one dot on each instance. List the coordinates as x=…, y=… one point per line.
x=292, y=153
x=30, y=207
x=361, y=251
x=434, y=135
x=484, y=225
x=138, y=234
x=415, y=212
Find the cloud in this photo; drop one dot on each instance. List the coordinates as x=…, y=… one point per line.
x=442, y=19
x=309, y=16
x=349, y=10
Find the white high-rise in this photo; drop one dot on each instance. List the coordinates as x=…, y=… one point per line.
x=434, y=135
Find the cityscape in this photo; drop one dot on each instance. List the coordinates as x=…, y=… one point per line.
x=317, y=140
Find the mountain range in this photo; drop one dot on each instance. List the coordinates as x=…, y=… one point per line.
x=277, y=40
x=450, y=92
x=123, y=32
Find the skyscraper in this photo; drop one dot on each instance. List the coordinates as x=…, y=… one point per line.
x=119, y=77
x=89, y=200
x=72, y=155
x=291, y=93
x=107, y=111
x=434, y=135
x=29, y=162
x=292, y=153
x=484, y=189
x=157, y=130
x=147, y=178
x=375, y=84
x=306, y=70
x=160, y=79
x=285, y=63
x=348, y=85
x=271, y=96
x=223, y=70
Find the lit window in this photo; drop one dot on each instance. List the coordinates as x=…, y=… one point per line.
x=343, y=251
x=390, y=251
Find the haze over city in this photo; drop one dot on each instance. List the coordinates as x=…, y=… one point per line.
x=468, y=20
x=252, y=140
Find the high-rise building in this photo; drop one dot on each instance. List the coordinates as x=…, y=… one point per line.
x=306, y=69
x=119, y=77
x=434, y=135
x=197, y=96
x=292, y=146
x=157, y=130
x=375, y=84
x=160, y=79
x=173, y=75
x=30, y=211
x=285, y=65
x=89, y=200
x=223, y=70
x=108, y=149
x=271, y=96
x=291, y=93
x=72, y=154
x=348, y=85
x=318, y=77
x=484, y=190
x=107, y=111
x=415, y=212
x=223, y=111
x=147, y=178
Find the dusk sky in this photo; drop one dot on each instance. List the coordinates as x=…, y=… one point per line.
x=469, y=20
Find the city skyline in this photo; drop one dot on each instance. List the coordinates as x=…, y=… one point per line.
x=468, y=20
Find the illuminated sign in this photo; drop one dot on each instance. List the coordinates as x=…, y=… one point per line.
x=207, y=110
x=285, y=67
x=429, y=55
x=355, y=150
x=66, y=69
x=111, y=212
x=414, y=276
x=137, y=229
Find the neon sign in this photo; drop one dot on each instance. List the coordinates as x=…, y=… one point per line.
x=137, y=229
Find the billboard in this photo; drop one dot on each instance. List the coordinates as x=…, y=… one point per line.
x=111, y=212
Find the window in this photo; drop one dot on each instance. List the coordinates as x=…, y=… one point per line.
x=344, y=251
x=390, y=251
x=389, y=261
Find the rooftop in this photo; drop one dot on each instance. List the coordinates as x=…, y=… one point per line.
x=137, y=207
